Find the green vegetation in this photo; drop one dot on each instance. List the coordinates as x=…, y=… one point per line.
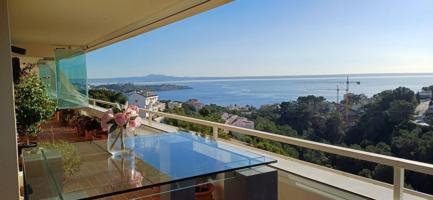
x=383, y=126
x=70, y=155
x=429, y=88
x=32, y=104
x=210, y=112
x=107, y=95
x=128, y=87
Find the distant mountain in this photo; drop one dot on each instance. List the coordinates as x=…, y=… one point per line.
x=155, y=78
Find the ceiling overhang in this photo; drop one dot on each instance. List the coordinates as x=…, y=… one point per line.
x=43, y=25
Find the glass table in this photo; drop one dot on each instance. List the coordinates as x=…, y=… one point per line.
x=157, y=160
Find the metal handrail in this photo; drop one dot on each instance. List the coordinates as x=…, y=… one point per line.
x=342, y=151
x=399, y=164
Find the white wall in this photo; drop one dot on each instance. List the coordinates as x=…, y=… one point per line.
x=8, y=140
x=136, y=99
x=142, y=101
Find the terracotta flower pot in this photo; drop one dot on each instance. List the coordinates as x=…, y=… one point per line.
x=156, y=190
x=80, y=131
x=205, y=195
x=88, y=134
x=25, y=138
x=56, y=116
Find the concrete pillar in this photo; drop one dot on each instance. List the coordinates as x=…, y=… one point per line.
x=8, y=139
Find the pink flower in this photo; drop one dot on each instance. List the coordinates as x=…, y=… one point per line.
x=108, y=116
x=132, y=110
x=120, y=119
x=133, y=124
x=133, y=107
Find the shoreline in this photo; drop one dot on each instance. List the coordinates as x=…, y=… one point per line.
x=266, y=77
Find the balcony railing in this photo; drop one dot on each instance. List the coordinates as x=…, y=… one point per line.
x=399, y=165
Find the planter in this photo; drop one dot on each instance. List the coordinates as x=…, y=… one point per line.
x=103, y=135
x=80, y=131
x=23, y=145
x=205, y=195
x=56, y=116
x=26, y=139
x=99, y=135
x=120, y=141
x=156, y=191
x=88, y=135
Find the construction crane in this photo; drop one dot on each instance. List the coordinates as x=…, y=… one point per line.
x=337, y=89
x=346, y=97
x=338, y=97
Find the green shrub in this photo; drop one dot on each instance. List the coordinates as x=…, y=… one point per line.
x=70, y=155
x=32, y=105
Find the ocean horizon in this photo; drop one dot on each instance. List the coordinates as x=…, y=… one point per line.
x=261, y=90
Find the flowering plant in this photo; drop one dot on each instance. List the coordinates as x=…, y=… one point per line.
x=32, y=105
x=119, y=119
x=126, y=117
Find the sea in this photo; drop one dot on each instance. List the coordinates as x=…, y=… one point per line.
x=257, y=91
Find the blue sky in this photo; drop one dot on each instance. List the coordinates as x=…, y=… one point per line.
x=281, y=37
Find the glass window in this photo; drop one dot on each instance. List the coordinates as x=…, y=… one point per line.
x=71, y=78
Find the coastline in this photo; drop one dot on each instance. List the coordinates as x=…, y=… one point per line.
x=263, y=91
x=164, y=78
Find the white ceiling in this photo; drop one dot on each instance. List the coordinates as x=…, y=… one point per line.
x=41, y=25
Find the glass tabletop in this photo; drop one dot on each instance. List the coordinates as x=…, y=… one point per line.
x=157, y=159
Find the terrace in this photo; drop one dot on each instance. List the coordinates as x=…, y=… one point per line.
x=302, y=180
x=58, y=49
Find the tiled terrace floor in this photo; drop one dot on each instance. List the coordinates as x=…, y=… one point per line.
x=55, y=131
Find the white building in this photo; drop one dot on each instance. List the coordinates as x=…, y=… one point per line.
x=146, y=100
x=174, y=104
x=162, y=106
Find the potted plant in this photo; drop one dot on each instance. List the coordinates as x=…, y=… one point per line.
x=204, y=191
x=91, y=128
x=81, y=124
x=73, y=121
x=32, y=108
x=65, y=116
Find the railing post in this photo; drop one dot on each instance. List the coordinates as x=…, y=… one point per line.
x=398, y=183
x=215, y=132
x=150, y=115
